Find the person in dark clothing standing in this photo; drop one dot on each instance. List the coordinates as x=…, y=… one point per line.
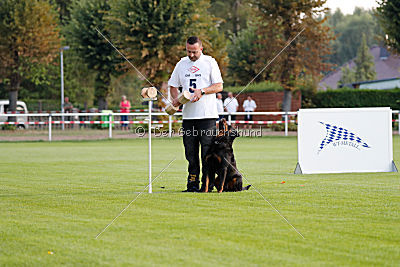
x=200, y=75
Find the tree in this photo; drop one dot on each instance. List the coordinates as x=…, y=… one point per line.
x=29, y=35
x=349, y=30
x=152, y=34
x=336, y=18
x=100, y=57
x=365, y=66
x=389, y=18
x=233, y=13
x=63, y=8
x=347, y=76
x=364, y=69
x=281, y=20
x=242, y=56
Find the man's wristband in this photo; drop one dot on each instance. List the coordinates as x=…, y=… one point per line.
x=203, y=92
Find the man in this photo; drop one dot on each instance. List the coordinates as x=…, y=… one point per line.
x=67, y=105
x=200, y=75
x=249, y=105
x=231, y=105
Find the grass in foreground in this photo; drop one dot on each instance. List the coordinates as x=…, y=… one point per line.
x=58, y=196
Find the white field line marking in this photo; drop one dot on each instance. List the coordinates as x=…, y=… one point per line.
x=133, y=200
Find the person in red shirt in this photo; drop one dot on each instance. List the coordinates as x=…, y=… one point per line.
x=125, y=106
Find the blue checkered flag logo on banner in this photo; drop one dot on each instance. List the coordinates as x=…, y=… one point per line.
x=335, y=134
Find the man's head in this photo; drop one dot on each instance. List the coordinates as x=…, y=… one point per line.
x=219, y=96
x=66, y=99
x=249, y=97
x=193, y=48
x=123, y=97
x=230, y=95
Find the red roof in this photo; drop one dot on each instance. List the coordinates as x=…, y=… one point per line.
x=385, y=68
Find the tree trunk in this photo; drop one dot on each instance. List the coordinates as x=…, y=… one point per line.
x=15, y=81
x=102, y=102
x=287, y=101
x=102, y=89
x=12, y=97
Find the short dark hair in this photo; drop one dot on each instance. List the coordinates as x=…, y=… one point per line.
x=193, y=39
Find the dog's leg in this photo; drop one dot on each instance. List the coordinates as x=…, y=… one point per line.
x=206, y=184
x=211, y=177
x=222, y=179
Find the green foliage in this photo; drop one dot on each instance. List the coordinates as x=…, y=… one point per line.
x=234, y=15
x=348, y=76
x=43, y=104
x=389, y=18
x=127, y=84
x=281, y=20
x=335, y=18
x=242, y=57
x=352, y=98
x=256, y=87
x=365, y=66
x=349, y=30
x=63, y=9
x=100, y=57
x=308, y=88
x=8, y=127
x=364, y=69
x=29, y=36
x=152, y=34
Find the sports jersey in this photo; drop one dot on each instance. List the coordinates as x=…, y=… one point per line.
x=197, y=74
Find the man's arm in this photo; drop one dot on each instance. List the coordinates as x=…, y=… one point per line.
x=174, y=96
x=212, y=89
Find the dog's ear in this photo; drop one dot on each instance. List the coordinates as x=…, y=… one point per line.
x=223, y=127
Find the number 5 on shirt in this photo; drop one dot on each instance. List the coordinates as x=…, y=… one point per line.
x=192, y=84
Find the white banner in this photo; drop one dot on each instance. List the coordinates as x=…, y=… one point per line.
x=345, y=140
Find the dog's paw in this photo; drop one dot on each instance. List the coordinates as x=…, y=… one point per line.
x=247, y=187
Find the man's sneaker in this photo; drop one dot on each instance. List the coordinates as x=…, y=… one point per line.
x=192, y=187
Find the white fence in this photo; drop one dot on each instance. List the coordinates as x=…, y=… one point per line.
x=50, y=120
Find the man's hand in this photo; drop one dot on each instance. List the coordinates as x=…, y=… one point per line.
x=175, y=102
x=196, y=95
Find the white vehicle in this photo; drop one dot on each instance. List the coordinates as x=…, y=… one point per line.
x=21, y=107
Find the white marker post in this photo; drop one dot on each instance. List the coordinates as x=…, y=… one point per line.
x=150, y=100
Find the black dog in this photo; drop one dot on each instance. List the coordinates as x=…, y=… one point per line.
x=221, y=161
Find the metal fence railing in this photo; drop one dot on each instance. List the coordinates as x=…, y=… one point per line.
x=58, y=121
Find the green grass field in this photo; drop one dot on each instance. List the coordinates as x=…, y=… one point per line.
x=58, y=196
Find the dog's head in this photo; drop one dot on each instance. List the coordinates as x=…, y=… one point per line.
x=226, y=134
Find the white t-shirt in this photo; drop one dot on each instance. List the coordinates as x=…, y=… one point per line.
x=249, y=105
x=220, y=105
x=197, y=74
x=231, y=104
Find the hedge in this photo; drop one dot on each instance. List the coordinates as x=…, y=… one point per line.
x=352, y=98
x=256, y=87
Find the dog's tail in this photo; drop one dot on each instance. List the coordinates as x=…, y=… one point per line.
x=246, y=187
